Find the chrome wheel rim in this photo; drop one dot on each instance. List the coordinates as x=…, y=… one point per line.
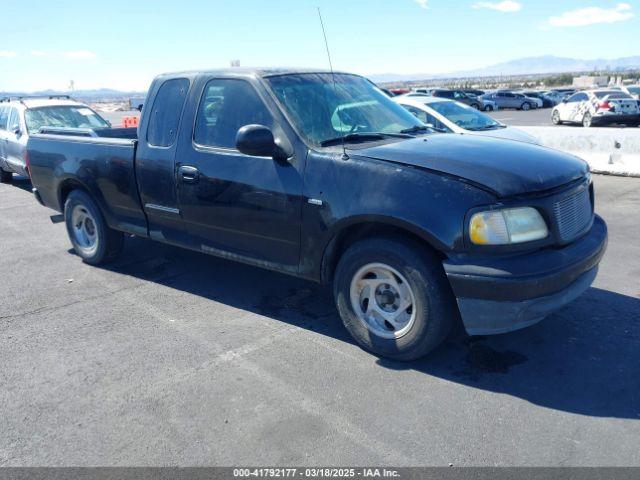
x=383, y=300
x=525, y=107
x=84, y=230
x=556, y=117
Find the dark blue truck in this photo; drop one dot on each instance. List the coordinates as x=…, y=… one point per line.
x=322, y=176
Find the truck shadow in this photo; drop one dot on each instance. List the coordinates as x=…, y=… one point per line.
x=584, y=359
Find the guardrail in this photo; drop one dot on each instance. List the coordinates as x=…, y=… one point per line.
x=607, y=150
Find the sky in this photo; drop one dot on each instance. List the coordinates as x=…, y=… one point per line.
x=124, y=44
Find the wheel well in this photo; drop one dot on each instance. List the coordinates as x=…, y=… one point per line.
x=66, y=188
x=353, y=233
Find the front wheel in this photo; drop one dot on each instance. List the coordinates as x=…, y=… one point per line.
x=394, y=298
x=488, y=108
x=587, y=120
x=526, y=106
x=5, y=177
x=91, y=237
x=555, y=118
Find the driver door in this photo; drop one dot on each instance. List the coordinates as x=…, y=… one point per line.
x=232, y=203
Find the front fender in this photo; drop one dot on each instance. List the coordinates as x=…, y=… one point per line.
x=341, y=193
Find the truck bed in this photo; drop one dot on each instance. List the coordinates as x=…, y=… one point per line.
x=103, y=165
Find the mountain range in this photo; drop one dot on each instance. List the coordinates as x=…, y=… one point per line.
x=532, y=65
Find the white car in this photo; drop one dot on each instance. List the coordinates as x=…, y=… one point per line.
x=597, y=107
x=448, y=116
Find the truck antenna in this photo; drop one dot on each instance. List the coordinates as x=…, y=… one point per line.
x=335, y=86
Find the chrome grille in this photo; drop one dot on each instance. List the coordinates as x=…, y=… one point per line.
x=573, y=213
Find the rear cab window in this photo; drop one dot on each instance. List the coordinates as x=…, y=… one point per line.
x=166, y=112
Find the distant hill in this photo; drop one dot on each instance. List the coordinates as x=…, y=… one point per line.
x=104, y=94
x=523, y=66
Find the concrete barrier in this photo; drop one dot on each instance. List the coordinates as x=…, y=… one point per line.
x=607, y=150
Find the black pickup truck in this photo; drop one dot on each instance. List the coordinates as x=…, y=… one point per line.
x=324, y=177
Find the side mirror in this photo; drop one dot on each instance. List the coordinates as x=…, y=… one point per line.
x=258, y=141
x=16, y=130
x=565, y=100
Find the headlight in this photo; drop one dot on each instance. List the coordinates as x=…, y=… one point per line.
x=507, y=226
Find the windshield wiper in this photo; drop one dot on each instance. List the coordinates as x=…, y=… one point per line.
x=362, y=137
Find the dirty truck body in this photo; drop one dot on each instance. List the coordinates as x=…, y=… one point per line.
x=327, y=179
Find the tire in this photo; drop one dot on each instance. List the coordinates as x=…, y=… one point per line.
x=476, y=106
x=5, y=177
x=587, y=120
x=488, y=108
x=555, y=118
x=430, y=316
x=90, y=236
x=526, y=106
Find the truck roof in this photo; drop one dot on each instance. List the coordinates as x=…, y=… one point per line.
x=247, y=72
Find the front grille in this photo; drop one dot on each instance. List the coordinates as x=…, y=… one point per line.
x=573, y=214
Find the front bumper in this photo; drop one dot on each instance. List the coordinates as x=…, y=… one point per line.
x=497, y=295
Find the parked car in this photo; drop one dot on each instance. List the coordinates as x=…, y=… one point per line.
x=597, y=107
x=412, y=229
x=554, y=97
x=474, y=91
x=564, y=92
x=447, y=116
x=23, y=116
x=489, y=105
x=544, y=101
x=633, y=90
x=459, y=96
x=508, y=99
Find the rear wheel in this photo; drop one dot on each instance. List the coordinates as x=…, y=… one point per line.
x=476, y=106
x=394, y=298
x=91, y=237
x=5, y=177
x=526, y=106
x=488, y=108
x=587, y=120
x=555, y=118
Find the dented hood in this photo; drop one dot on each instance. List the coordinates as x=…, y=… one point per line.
x=504, y=166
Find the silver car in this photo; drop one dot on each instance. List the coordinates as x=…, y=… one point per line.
x=508, y=99
x=21, y=116
x=447, y=116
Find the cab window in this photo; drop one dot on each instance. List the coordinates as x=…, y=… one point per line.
x=166, y=112
x=226, y=106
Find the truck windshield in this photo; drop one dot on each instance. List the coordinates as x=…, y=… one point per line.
x=322, y=110
x=65, y=116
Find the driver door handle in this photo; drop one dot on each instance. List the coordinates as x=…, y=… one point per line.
x=188, y=174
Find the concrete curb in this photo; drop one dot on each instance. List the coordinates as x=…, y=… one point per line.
x=614, y=151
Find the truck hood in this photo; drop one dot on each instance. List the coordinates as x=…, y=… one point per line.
x=506, y=167
x=508, y=133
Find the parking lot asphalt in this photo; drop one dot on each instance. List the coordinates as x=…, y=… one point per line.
x=170, y=357
x=540, y=117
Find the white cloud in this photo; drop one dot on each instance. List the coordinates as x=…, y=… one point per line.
x=38, y=53
x=592, y=15
x=79, y=54
x=423, y=3
x=7, y=54
x=506, y=6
